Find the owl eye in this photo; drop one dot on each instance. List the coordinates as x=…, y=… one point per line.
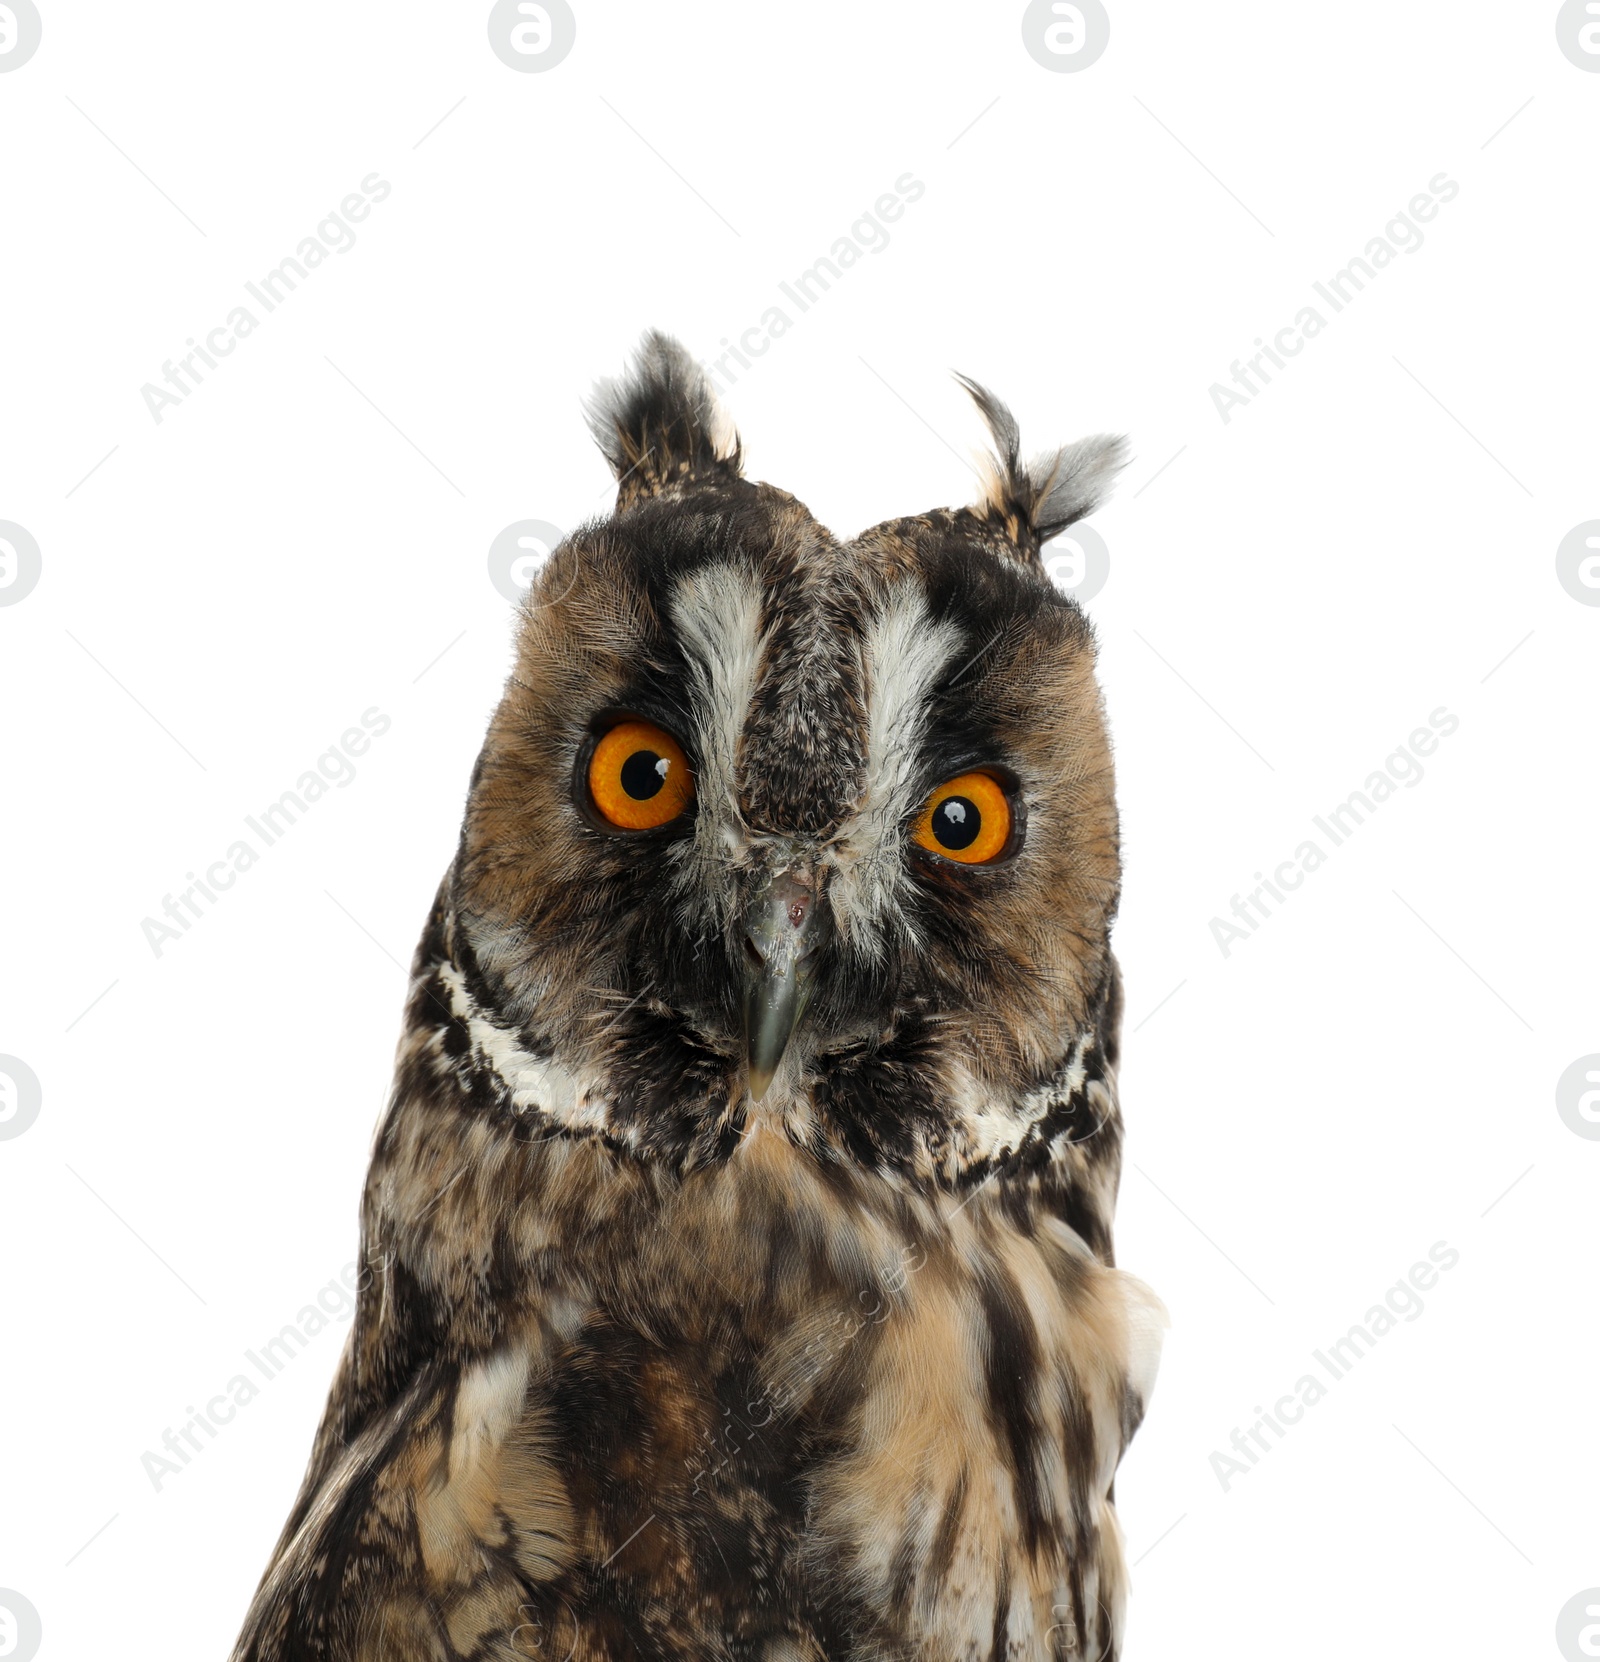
x=639, y=777
x=967, y=819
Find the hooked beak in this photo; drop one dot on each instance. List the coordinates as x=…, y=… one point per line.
x=781, y=931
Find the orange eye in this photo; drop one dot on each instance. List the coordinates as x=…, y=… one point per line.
x=967, y=819
x=639, y=776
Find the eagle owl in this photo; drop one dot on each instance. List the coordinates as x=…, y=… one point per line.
x=737, y=1278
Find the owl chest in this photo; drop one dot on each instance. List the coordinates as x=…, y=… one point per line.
x=894, y=1466
x=837, y=1414
x=921, y=1354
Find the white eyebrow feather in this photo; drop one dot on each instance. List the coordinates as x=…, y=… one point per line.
x=716, y=611
x=903, y=653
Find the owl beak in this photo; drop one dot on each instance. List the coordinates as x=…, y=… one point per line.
x=782, y=927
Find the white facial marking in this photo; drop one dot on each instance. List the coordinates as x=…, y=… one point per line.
x=904, y=653
x=531, y=1082
x=717, y=614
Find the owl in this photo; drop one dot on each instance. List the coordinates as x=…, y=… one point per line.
x=736, y=1261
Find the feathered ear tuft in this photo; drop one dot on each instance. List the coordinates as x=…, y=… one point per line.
x=1029, y=502
x=659, y=423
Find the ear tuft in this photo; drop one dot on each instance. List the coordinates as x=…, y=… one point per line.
x=659, y=423
x=1029, y=502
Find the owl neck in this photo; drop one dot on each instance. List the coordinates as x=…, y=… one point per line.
x=912, y=1114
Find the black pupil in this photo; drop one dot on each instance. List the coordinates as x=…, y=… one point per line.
x=957, y=822
x=643, y=774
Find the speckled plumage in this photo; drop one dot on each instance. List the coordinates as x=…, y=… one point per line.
x=643, y=1368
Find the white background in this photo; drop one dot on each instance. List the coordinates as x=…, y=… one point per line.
x=1291, y=593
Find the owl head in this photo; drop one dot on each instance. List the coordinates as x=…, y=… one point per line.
x=771, y=828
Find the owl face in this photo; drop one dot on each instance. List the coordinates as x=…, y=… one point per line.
x=773, y=827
